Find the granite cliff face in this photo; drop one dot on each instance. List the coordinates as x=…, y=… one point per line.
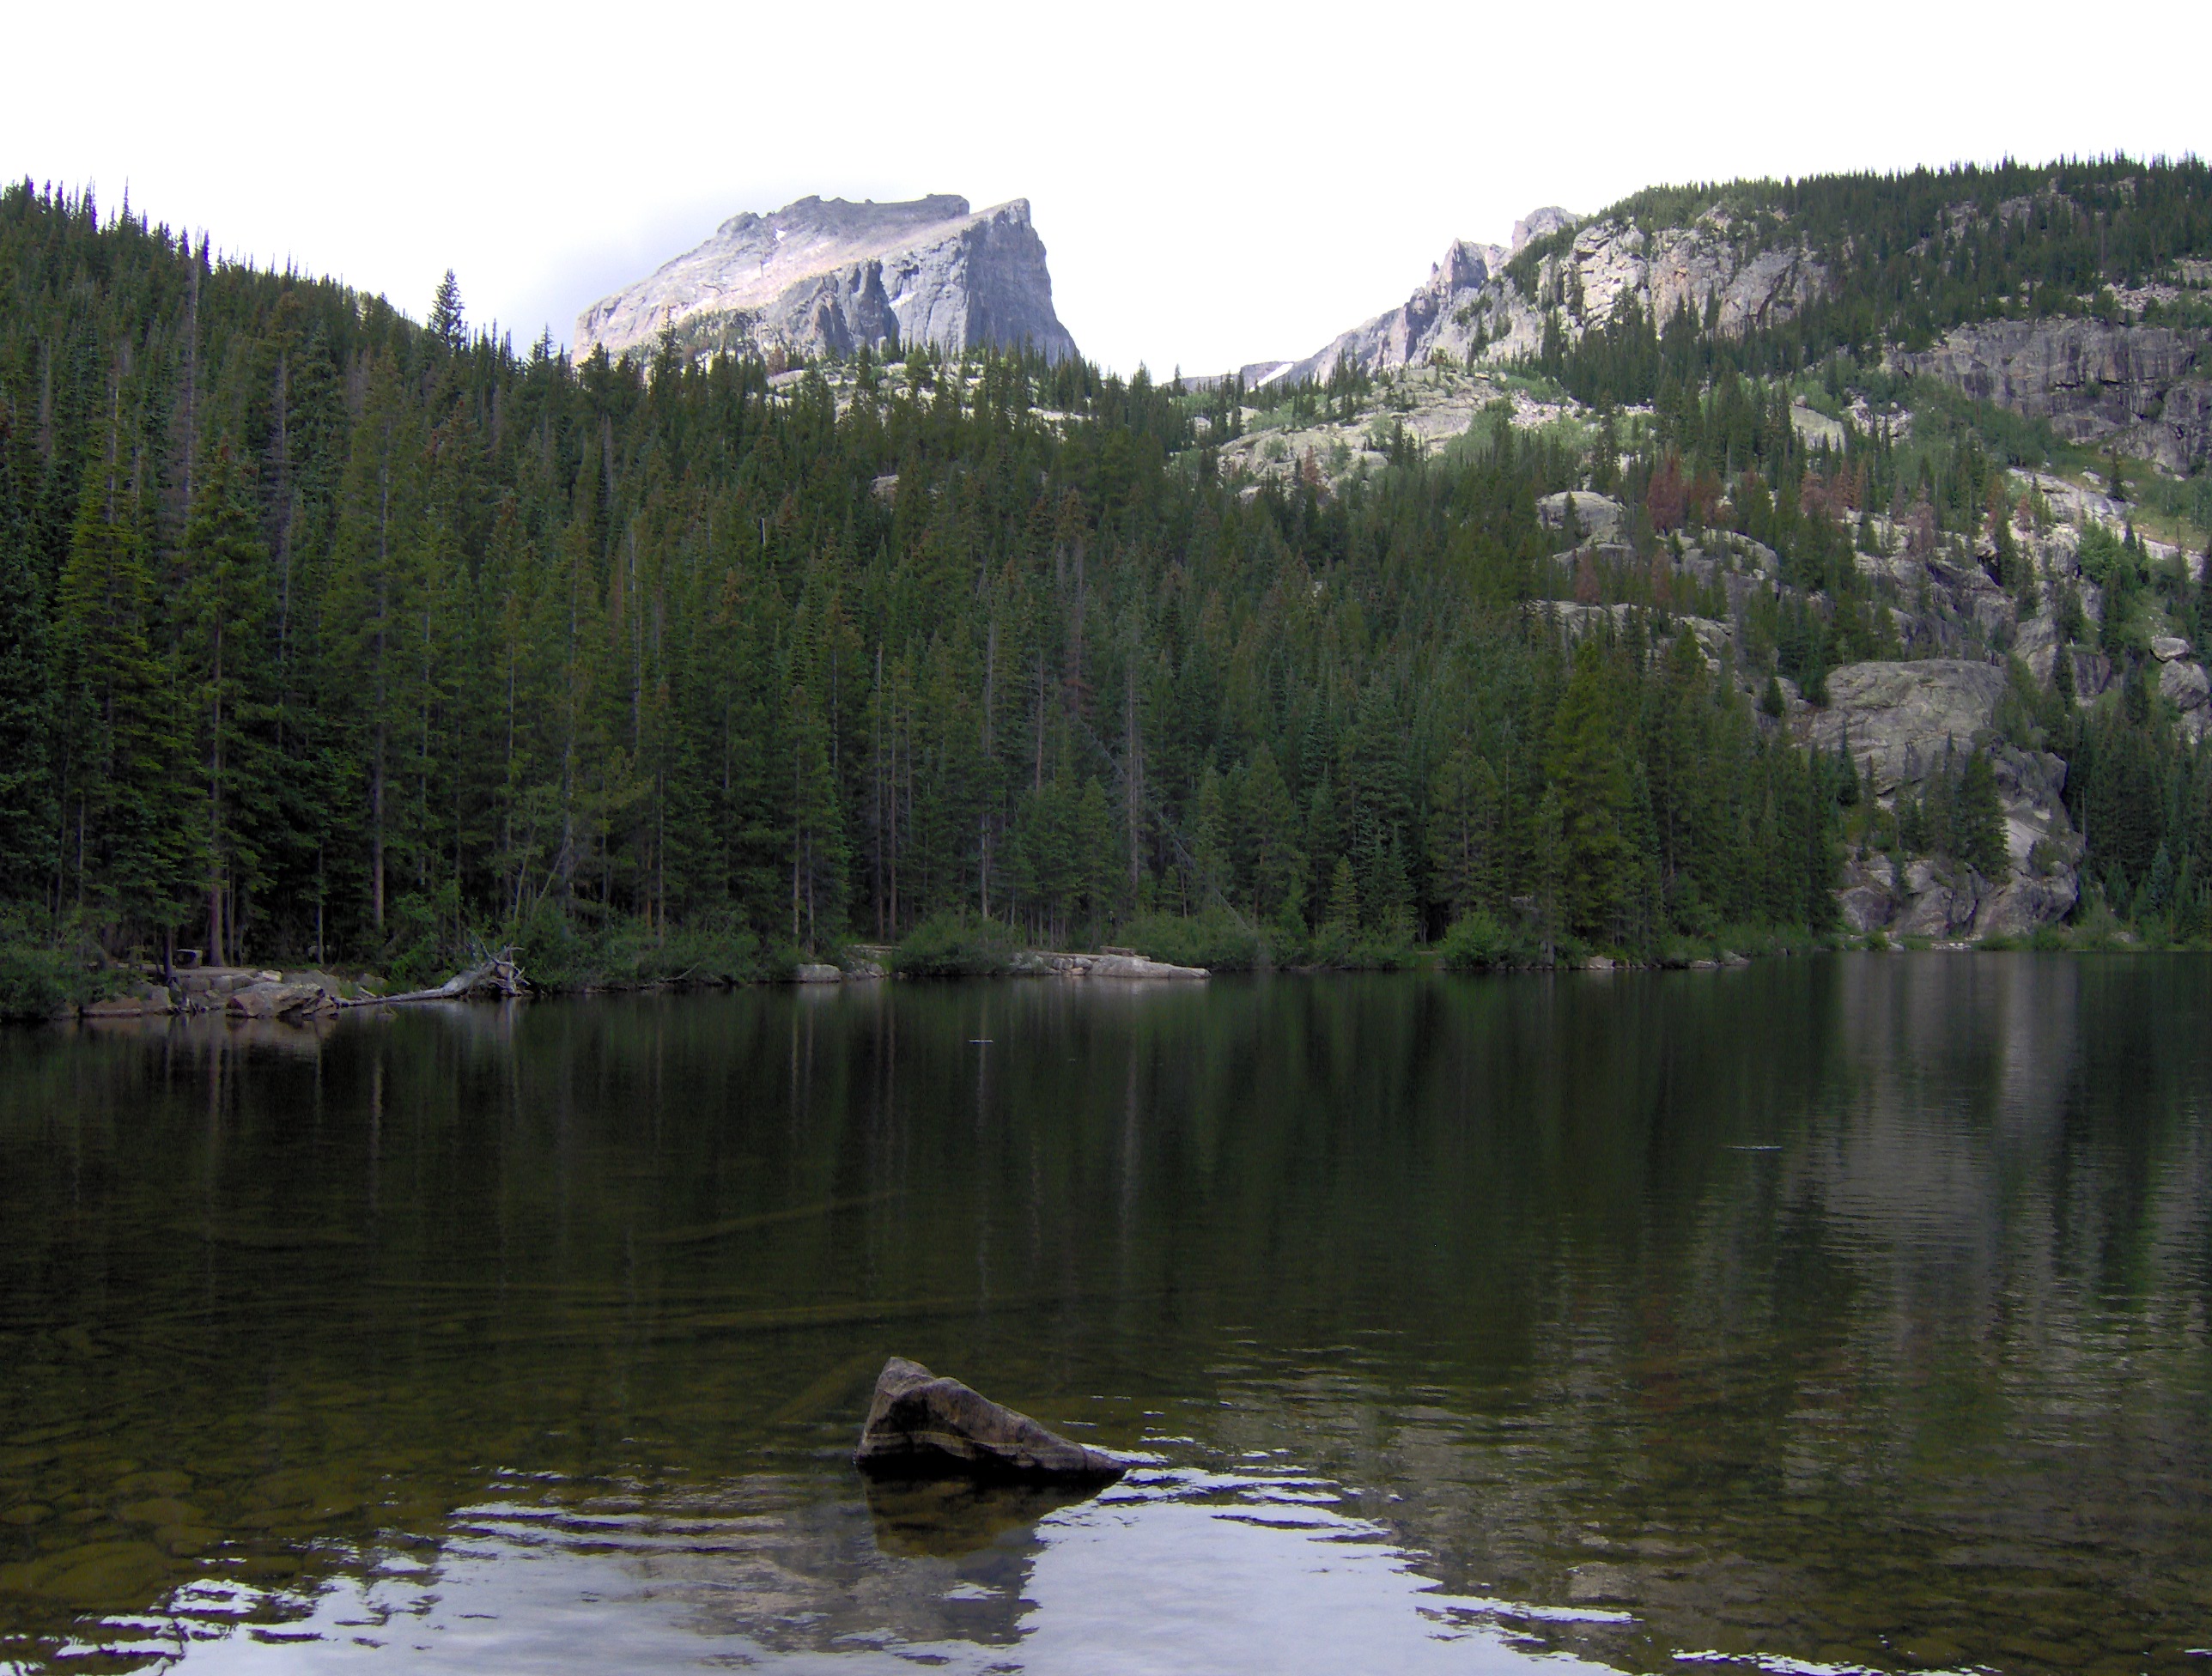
x=2144, y=390
x=827, y=277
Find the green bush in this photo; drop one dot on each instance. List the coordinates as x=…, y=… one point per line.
x=1212, y=940
x=955, y=945
x=1480, y=944
x=1332, y=945
x=43, y=973
x=558, y=951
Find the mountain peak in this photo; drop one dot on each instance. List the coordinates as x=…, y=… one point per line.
x=827, y=275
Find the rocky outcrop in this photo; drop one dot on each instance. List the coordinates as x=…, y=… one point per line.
x=1404, y=337
x=281, y=999
x=922, y=1424
x=2144, y=390
x=1898, y=722
x=826, y=277
x=1598, y=518
x=1471, y=308
x=142, y=1001
x=1114, y=963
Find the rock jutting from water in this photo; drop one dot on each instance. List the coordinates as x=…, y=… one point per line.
x=922, y=1425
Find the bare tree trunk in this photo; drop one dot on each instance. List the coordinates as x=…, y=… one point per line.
x=1133, y=777
x=215, y=950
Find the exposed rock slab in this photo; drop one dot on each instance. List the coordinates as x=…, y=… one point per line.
x=1899, y=719
x=922, y=1424
x=2148, y=389
x=1115, y=964
x=1599, y=516
x=828, y=276
x=281, y=1000
x=145, y=1000
x=1899, y=716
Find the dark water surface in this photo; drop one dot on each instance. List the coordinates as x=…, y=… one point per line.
x=1840, y=1314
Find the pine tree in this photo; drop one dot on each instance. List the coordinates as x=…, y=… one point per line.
x=1342, y=918
x=26, y=811
x=1977, y=824
x=365, y=610
x=819, y=855
x=1587, y=771
x=125, y=851
x=1273, y=861
x=1462, y=831
x=225, y=596
x=444, y=323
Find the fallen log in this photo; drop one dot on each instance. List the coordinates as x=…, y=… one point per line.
x=498, y=975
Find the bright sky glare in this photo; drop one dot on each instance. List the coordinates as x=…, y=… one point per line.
x=1216, y=184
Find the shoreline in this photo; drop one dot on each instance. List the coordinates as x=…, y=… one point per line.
x=301, y=997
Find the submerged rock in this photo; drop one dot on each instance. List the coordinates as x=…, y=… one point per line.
x=922, y=1424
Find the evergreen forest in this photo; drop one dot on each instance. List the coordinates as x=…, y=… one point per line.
x=329, y=636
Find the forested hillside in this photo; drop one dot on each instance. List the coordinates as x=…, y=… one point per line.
x=327, y=635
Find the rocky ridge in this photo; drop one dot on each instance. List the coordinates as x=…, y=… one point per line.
x=2143, y=389
x=1472, y=307
x=825, y=277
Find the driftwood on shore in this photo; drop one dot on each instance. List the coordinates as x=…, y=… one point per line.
x=496, y=976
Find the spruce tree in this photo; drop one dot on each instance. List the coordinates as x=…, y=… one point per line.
x=26, y=810
x=226, y=672
x=1978, y=821
x=1586, y=770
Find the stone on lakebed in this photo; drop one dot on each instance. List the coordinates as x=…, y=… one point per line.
x=922, y=1424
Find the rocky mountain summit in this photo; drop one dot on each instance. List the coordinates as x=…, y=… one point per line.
x=827, y=277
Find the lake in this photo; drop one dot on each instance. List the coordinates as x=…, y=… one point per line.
x=1847, y=1314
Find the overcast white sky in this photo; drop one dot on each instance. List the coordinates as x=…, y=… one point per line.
x=1216, y=184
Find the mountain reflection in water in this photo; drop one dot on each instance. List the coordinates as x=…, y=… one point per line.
x=1847, y=1314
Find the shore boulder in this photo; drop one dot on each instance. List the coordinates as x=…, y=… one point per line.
x=923, y=1425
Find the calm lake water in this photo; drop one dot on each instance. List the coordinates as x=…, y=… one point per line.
x=1843, y=1315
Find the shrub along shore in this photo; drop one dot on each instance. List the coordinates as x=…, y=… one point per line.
x=57, y=978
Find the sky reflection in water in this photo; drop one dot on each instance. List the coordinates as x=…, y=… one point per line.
x=1176, y=1569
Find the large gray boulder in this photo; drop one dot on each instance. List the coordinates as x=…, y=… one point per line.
x=826, y=277
x=281, y=999
x=921, y=1426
